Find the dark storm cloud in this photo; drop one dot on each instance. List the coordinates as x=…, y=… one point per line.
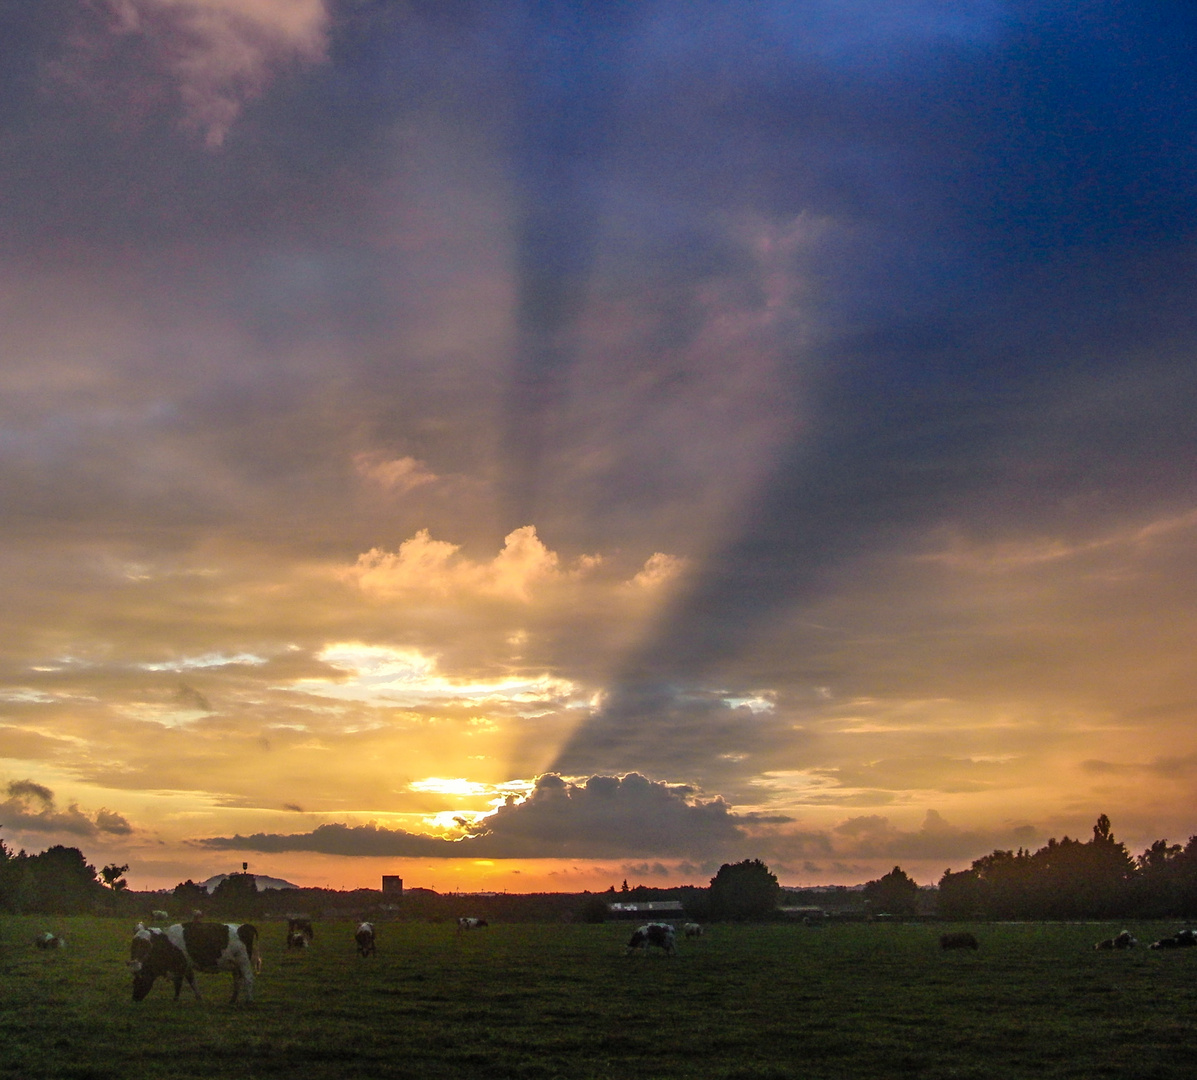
x=30, y=807
x=602, y=817
x=1016, y=229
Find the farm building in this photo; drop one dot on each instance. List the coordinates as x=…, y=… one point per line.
x=647, y=909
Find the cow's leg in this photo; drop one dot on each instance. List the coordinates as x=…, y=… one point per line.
x=236, y=983
x=178, y=985
x=194, y=986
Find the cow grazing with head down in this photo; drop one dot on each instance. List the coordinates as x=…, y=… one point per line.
x=46, y=940
x=181, y=950
x=662, y=935
x=1124, y=940
x=692, y=929
x=467, y=923
x=365, y=939
x=299, y=933
x=961, y=939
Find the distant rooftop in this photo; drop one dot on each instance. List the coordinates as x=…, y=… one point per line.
x=648, y=905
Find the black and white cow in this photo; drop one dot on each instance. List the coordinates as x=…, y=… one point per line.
x=365, y=939
x=299, y=933
x=159, y=916
x=468, y=923
x=1124, y=940
x=46, y=940
x=181, y=950
x=692, y=929
x=961, y=939
x=662, y=935
x=1182, y=939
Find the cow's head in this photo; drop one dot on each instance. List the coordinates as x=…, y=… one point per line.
x=139, y=954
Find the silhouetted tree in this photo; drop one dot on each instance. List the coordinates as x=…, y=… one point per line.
x=236, y=895
x=1064, y=879
x=114, y=876
x=743, y=890
x=189, y=896
x=959, y=895
x=894, y=894
x=593, y=910
x=63, y=882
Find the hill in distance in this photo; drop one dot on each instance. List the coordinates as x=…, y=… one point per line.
x=261, y=880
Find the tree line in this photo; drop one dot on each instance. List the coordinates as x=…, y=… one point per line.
x=1074, y=879
x=58, y=880
x=1065, y=879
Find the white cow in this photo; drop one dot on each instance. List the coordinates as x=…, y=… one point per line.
x=365, y=939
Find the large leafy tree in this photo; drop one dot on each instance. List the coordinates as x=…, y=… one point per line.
x=237, y=894
x=63, y=881
x=744, y=890
x=894, y=894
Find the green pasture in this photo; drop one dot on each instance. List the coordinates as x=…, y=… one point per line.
x=544, y=1001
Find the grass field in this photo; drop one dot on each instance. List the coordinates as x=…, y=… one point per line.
x=545, y=1001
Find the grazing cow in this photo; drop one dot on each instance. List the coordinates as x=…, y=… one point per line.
x=46, y=940
x=466, y=923
x=692, y=929
x=299, y=933
x=159, y=916
x=365, y=939
x=659, y=934
x=961, y=939
x=1182, y=939
x=1125, y=940
x=181, y=950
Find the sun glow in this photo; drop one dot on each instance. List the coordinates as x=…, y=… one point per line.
x=440, y=786
x=382, y=675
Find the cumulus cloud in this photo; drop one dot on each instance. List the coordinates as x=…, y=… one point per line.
x=30, y=807
x=598, y=817
x=425, y=565
x=520, y=573
x=660, y=569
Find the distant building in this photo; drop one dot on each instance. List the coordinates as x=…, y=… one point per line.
x=646, y=909
x=392, y=886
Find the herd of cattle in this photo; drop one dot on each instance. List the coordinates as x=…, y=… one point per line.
x=1182, y=939
x=179, y=951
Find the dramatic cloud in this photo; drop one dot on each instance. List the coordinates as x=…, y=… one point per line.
x=600, y=818
x=790, y=405
x=31, y=808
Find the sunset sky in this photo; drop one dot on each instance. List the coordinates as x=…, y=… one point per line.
x=530, y=445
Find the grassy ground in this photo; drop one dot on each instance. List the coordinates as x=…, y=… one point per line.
x=538, y=1002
